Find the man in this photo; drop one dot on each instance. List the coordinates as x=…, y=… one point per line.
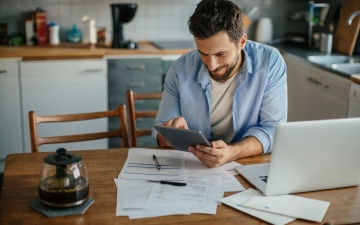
x=232, y=89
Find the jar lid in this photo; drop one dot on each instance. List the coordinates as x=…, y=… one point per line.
x=61, y=158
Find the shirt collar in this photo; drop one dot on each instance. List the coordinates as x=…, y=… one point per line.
x=246, y=68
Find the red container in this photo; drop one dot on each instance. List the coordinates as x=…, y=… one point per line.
x=41, y=28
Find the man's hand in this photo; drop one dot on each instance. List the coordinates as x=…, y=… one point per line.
x=178, y=122
x=220, y=153
x=214, y=156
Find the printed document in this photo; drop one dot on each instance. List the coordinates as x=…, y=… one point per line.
x=140, y=165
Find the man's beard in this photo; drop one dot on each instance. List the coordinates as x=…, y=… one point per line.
x=229, y=70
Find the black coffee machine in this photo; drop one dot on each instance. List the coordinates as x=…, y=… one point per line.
x=122, y=13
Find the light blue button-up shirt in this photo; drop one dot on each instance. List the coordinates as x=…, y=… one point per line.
x=260, y=100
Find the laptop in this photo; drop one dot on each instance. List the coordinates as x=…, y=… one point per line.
x=309, y=156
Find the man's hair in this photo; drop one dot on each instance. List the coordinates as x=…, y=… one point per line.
x=213, y=16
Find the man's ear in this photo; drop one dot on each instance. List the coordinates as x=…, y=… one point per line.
x=242, y=42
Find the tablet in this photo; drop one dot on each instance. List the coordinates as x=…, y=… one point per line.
x=180, y=138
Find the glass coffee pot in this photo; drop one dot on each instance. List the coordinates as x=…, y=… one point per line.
x=63, y=180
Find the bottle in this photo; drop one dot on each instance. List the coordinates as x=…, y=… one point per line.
x=29, y=31
x=41, y=27
x=89, y=30
x=54, y=33
x=74, y=34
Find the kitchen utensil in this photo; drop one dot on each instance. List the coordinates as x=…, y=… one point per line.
x=122, y=13
x=346, y=36
x=63, y=180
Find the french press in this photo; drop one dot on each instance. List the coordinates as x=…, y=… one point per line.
x=63, y=180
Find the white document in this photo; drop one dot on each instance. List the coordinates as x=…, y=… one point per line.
x=193, y=198
x=290, y=205
x=237, y=200
x=195, y=168
x=140, y=165
x=131, y=198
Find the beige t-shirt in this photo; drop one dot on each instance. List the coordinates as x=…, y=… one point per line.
x=221, y=113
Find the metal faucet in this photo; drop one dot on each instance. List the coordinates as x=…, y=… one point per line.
x=351, y=17
x=311, y=23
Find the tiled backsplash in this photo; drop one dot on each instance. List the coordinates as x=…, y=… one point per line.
x=154, y=19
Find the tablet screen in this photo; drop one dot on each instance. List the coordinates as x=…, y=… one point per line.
x=180, y=138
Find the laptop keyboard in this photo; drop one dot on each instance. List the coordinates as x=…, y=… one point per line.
x=263, y=178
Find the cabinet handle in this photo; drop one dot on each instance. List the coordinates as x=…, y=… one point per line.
x=3, y=71
x=135, y=84
x=135, y=67
x=312, y=80
x=94, y=70
x=355, y=94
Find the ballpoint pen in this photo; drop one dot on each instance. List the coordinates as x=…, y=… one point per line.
x=168, y=182
x=156, y=162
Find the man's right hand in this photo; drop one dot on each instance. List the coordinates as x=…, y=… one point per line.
x=178, y=122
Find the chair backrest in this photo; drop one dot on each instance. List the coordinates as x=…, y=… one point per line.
x=135, y=114
x=122, y=131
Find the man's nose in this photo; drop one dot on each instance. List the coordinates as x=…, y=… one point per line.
x=212, y=63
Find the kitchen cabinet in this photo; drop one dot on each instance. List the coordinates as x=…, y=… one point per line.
x=354, y=100
x=10, y=108
x=313, y=93
x=142, y=74
x=52, y=87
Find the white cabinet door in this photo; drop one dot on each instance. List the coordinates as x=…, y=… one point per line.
x=10, y=109
x=64, y=87
x=354, y=100
x=313, y=93
x=303, y=93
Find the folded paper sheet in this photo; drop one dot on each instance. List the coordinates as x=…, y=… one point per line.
x=238, y=200
x=290, y=205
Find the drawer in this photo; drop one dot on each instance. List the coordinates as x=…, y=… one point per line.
x=142, y=105
x=146, y=141
x=63, y=67
x=117, y=87
x=144, y=123
x=336, y=88
x=137, y=83
x=136, y=66
x=9, y=69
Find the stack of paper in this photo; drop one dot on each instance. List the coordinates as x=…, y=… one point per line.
x=277, y=209
x=138, y=198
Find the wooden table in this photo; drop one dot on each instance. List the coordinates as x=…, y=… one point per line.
x=21, y=177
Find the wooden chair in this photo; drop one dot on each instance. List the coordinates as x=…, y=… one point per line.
x=134, y=114
x=122, y=131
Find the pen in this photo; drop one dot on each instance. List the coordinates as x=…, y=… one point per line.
x=156, y=162
x=168, y=182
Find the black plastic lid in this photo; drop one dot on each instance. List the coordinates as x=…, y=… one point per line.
x=61, y=158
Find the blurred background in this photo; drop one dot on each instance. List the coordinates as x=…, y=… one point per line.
x=154, y=19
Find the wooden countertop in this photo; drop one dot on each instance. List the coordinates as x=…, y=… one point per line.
x=79, y=51
x=355, y=79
